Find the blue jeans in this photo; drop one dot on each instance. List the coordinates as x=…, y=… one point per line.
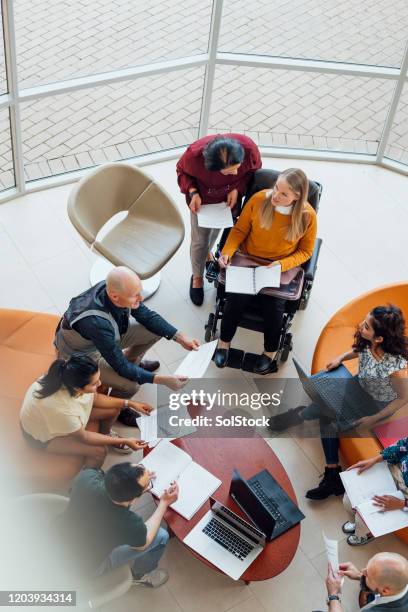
x=141, y=561
x=330, y=444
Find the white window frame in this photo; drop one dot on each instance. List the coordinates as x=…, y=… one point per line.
x=13, y=99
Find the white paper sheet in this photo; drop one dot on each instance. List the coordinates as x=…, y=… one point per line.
x=195, y=363
x=239, y=280
x=379, y=522
x=332, y=551
x=148, y=426
x=217, y=216
x=267, y=277
x=362, y=487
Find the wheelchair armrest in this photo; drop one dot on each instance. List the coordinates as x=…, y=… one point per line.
x=311, y=265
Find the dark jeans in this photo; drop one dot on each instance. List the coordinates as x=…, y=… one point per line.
x=329, y=429
x=272, y=310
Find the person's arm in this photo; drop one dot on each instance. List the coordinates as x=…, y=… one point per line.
x=154, y=322
x=107, y=401
x=304, y=248
x=169, y=496
x=101, y=333
x=159, y=326
x=337, y=361
x=366, y=464
x=240, y=230
x=399, y=383
x=94, y=438
x=333, y=585
x=185, y=181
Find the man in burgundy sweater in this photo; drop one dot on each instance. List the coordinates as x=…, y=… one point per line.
x=213, y=169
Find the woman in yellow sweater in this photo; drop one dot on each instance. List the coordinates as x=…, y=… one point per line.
x=279, y=225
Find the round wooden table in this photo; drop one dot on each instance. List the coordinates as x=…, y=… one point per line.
x=249, y=456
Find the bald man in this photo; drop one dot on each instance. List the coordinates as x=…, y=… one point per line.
x=110, y=323
x=384, y=584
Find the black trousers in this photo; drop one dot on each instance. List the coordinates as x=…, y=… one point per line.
x=272, y=310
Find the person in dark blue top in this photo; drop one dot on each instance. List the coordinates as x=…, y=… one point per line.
x=110, y=323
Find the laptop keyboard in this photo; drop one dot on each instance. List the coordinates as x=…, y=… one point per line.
x=272, y=506
x=227, y=539
x=333, y=392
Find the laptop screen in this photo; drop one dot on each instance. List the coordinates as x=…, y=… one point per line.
x=250, y=503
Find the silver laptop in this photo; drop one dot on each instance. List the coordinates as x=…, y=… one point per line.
x=226, y=540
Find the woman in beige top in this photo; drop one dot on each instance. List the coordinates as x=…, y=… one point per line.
x=57, y=407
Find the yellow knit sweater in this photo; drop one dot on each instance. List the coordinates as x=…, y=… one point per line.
x=251, y=238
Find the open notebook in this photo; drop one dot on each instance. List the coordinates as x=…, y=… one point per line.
x=251, y=280
x=196, y=484
x=361, y=489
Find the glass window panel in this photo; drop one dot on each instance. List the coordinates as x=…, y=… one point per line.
x=363, y=32
x=301, y=110
x=6, y=156
x=3, y=77
x=111, y=122
x=57, y=40
x=397, y=145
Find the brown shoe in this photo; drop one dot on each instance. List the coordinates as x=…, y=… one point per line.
x=280, y=422
x=149, y=365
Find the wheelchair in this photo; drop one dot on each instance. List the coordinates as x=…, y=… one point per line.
x=252, y=319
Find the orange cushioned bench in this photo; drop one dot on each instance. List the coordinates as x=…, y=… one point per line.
x=337, y=337
x=26, y=351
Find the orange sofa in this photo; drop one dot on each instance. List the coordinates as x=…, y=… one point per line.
x=26, y=351
x=337, y=336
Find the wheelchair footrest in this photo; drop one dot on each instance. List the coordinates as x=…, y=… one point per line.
x=249, y=360
x=235, y=358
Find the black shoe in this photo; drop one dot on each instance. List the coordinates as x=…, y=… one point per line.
x=280, y=422
x=150, y=366
x=330, y=485
x=196, y=294
x=221, y=357
x=265, y=365
x=128, y=417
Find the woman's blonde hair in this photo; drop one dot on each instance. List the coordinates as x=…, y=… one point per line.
x=297, y=181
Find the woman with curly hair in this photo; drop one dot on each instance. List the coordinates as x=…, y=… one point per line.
x=381, y=347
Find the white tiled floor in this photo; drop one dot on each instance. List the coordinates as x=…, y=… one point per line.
x=363, y=219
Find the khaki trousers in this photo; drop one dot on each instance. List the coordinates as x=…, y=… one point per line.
x=202, y=241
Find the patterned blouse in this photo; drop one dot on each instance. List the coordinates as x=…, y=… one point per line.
x=374, y=375
x=398, y=454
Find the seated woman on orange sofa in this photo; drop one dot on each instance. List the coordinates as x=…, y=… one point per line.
x=381, y=347
x=58, y=406
x=276, y=224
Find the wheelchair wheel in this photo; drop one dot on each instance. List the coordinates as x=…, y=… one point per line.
x=287, y=347
x=209, y=332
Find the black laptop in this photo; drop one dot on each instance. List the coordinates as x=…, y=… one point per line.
x=265, y=502
x=339, y=394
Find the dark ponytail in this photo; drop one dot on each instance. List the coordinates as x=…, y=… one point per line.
x=388, y=322
x=73, y=374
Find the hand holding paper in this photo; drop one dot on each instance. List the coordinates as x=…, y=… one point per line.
x=216, y=216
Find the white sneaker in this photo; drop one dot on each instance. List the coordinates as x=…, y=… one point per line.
x=349, y=527
x=153, y=579
x=122, y=449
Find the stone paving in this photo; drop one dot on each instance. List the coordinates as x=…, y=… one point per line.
x=58, y=40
